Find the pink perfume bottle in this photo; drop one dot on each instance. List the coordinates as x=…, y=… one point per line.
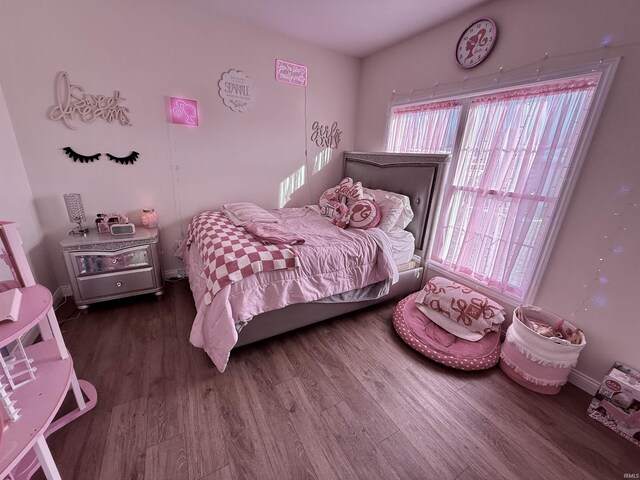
x=149, y=218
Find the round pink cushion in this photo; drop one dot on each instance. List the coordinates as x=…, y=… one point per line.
x=424, y=336
x=364, y=214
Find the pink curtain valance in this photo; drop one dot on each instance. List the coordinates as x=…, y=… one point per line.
x=423, y=107
x=539, y=90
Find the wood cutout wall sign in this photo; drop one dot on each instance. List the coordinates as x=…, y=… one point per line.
x=77, y=157
x=325, y=136
x=128, y=160
x=291, y=73
x=237, y=91
x=72, y=101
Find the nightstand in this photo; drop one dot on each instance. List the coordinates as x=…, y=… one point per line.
x=105, y=267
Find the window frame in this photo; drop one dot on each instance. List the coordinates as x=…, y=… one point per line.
x=607, y=69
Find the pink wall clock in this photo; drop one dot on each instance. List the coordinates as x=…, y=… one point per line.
x=476, y=42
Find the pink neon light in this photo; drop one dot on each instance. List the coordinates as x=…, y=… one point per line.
x=184, y=111
x=291, y=73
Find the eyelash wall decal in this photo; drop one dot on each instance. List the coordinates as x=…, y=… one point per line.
x=77, y=157
x=129, y=159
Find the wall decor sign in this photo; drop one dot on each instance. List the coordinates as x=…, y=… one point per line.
x=184, y=111
x=291, y=73
x=78, y=157
x=236, y=90
x=325, y=136
x=72, y=101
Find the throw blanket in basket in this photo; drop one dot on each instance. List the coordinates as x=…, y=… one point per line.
x=230, y=253
x=539, y=363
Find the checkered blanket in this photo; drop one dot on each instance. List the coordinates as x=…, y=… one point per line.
x=230, y=253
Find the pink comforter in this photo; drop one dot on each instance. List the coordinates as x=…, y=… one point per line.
x=332, y=260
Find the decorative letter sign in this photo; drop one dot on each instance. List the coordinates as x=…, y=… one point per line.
x=184, y=111
x=291, y=73
x=72, y=100
x=236, y=90
x=325, y=136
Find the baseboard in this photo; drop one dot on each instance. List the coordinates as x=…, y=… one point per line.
x=583, y=382
x=60, y=294
x=173, y=274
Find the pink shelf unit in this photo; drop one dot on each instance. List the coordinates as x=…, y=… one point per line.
x=23, y=447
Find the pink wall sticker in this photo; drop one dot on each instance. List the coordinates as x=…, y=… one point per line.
x=184, y=111
x=291, y=73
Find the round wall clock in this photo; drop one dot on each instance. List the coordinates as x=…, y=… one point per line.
x=476, y=42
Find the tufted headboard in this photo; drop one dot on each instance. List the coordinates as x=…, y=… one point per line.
x=415, y=175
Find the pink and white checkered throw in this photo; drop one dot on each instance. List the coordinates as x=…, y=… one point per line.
x=230, y=253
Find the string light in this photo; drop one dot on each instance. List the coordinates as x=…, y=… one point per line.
x=435, y=85
x=604, y=47
x=613, y=248
x=463, y=82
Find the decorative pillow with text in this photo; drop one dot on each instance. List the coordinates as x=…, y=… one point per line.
x=364, y=214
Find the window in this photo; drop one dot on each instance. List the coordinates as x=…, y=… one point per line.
x=513, y=154
x=429, y=127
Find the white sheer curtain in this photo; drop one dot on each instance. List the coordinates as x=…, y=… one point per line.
x=425, y=128
x=514, y=156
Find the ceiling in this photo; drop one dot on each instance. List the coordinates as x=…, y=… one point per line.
x=354, y=27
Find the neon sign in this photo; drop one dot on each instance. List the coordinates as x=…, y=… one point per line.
x=184, y=111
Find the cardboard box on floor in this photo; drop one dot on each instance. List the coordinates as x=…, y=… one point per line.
x=617, y=402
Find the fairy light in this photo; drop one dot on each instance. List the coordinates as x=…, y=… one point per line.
x=604, y=47
x=613, y=242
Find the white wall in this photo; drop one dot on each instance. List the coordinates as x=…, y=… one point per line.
x=150, y=50
x=16, y=200
x=528, y=30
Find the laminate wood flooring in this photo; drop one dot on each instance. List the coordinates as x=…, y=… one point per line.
x=343, y=399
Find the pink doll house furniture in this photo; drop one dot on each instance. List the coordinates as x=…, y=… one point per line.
x=46, y=371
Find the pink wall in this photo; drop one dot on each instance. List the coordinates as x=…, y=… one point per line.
x=149, y=51
x=526, y=31
x=16, y=200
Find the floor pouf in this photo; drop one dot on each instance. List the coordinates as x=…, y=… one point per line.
x=424, y=336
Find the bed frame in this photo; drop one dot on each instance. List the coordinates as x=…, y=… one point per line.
x=415, y=175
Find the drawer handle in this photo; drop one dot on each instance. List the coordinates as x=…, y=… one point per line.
x=114, y=260
x=118, y=284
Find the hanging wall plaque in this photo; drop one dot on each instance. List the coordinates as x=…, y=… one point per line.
x=72, y=101
x=291, y=73
x=236, y=90
x=325, y=135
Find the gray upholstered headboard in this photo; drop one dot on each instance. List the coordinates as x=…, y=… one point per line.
x=414, y=175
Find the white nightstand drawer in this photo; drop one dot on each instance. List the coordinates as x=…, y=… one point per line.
x=116, y=283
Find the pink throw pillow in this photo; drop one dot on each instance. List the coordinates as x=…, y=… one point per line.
x=345, y=192
x=458, y=309
x=364, y=214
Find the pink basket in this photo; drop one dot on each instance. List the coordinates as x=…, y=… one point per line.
x=536, y=362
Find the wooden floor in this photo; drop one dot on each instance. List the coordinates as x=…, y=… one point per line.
x=341, y=399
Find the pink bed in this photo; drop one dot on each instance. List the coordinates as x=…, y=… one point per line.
x=331, y=261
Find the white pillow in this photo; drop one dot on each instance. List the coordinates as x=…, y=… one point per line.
x=395, y=208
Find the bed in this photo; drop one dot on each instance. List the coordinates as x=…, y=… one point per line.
x=387, y=264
